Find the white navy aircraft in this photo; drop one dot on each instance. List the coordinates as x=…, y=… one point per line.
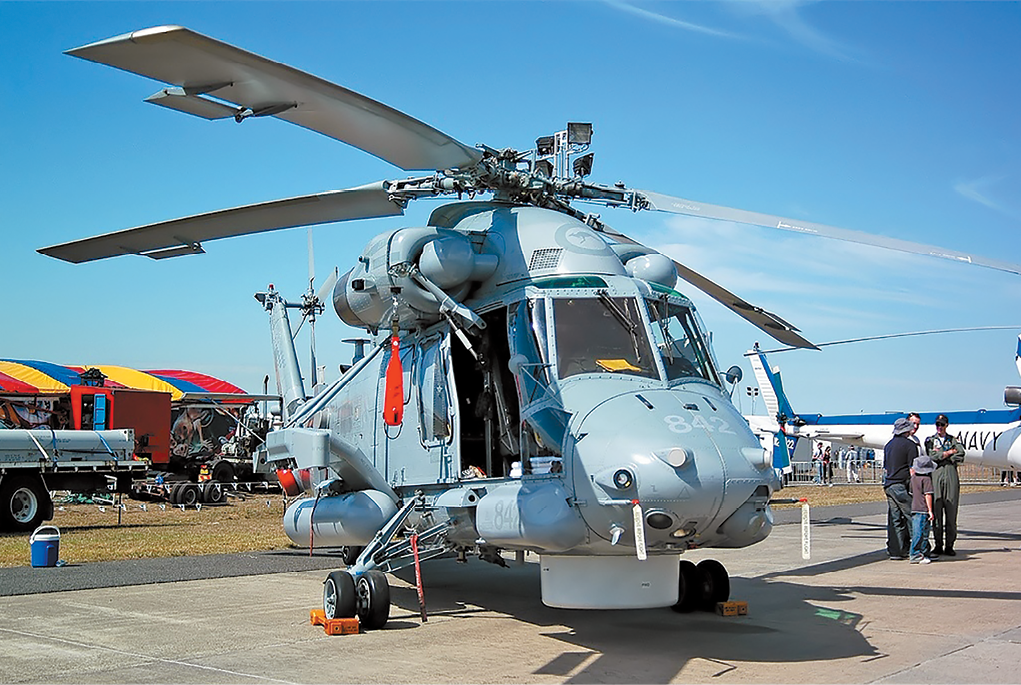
x=990, y=437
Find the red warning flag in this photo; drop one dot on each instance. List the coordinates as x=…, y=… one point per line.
x=393, y=399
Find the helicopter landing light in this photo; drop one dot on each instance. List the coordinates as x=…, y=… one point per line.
x=583, y=165
x=544, y=145
x=579, y=133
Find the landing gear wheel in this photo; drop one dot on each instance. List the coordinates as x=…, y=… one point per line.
x=188, y=495
x=339, y=599
x=212, y=492
x=689, y=588
x=24, y=503
x=373, y=592
x=350, y=554
x=715, y=584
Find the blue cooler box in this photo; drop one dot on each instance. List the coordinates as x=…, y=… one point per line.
x=45, y=544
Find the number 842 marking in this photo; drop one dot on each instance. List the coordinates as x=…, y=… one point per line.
x=679, y=424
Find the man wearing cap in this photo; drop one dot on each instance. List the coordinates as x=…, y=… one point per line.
x=946, y=452
x=898, y=455
x=921, y=508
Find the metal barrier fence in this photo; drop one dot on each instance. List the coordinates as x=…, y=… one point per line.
x=871, y=473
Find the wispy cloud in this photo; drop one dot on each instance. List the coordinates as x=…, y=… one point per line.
x=670, y=21
x=784, y=14
x=977, y=190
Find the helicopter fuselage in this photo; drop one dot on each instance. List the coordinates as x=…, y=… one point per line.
x=564, y=400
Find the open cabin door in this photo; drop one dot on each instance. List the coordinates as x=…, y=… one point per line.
x=487, y=407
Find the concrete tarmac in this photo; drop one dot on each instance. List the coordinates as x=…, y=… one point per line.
x=847, y=615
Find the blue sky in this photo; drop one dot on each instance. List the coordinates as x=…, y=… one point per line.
x=897, y=118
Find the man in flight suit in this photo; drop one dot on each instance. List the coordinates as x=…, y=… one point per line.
x=947, y=452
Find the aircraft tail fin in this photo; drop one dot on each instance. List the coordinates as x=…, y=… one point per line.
x=771, y=388
x=1017, y=356
x=783, y=448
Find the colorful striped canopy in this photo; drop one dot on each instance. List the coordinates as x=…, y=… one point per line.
x=31, y=377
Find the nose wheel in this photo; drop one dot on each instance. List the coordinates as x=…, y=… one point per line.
x=367, y=597
x=373, y=604
x=339, y=600
x=701, y=587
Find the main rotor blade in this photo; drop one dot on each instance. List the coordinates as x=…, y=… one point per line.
x=327, y=287
x=184, y=236
x=676, y=205
x=765, y=321
x=311, y=263
x=256, y=86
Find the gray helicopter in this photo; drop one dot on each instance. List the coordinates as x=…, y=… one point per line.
x=533, y=380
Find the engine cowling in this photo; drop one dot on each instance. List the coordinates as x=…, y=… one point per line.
x=363, y=296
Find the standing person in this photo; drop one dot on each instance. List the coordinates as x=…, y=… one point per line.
x=921, y=508
x=827, y=467
x=916, y=422
x=898, y=455
x=946, y=452
x=817, y=465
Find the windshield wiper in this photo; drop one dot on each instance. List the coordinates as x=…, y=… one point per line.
x=663, y=319
x=624, y=319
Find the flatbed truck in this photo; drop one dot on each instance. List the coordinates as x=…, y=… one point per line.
x=35, y=462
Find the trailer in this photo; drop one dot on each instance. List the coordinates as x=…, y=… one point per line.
x=35, y=462
x=198, y=442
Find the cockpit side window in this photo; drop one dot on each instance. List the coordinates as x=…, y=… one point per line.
x=679, y=341
x=527, y=327
x=602, y=334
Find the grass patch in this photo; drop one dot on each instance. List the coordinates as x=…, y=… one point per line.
x=841, y=493
x=89, y=533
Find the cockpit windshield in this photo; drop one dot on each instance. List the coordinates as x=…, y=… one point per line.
x=684, y=351
x=603, y=334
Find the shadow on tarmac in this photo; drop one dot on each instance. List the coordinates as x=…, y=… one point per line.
x=786, y=623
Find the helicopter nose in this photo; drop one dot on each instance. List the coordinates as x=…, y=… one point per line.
x=688, y=459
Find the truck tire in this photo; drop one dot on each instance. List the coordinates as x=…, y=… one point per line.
x=24, y=503
x=188, y=494
x=222, y=471
x=213, y=493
